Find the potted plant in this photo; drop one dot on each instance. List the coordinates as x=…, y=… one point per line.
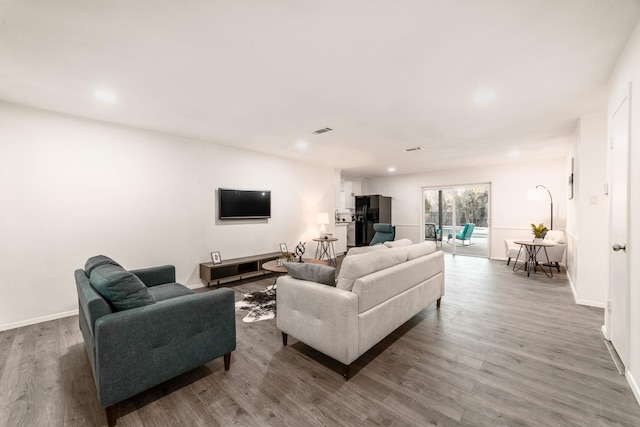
x=285, y=257
x=539, y=232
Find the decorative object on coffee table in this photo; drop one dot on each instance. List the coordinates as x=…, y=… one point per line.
x=283, y=248
x=299, y=251
x=216, y=258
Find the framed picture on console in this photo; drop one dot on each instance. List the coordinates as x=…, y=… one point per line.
x=216, y=258
x=283, y=248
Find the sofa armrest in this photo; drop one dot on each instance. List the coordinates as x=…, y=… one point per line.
x=154, y=276
x=321, y=316
x=139, y=348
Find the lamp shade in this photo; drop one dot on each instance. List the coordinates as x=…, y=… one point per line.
x=322, y=218
x=537, y=194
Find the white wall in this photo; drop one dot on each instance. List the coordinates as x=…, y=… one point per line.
x=587, y=246
x=511, y=212
x=72, y=188
x=628, y=70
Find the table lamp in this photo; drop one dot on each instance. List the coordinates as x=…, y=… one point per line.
x=323, y=219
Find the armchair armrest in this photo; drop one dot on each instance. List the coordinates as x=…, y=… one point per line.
x=321, y=316
x=154, y=276
x=139, y=348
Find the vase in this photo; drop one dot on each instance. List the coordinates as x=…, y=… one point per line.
x=538, y=240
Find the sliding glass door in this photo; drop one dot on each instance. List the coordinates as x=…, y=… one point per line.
x=457, y=218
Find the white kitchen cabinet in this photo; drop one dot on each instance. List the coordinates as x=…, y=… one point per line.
x=351, y=189
x=357, y=188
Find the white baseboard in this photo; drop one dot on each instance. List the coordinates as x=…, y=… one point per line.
x=598, y=304
x=633, y=384
x=573, y=288
x=28, y=322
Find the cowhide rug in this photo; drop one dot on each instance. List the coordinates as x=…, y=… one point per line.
x=261, y=305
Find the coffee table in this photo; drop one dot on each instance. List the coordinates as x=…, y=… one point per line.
x=281, y=269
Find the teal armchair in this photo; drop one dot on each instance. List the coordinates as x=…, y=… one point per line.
x=384, y=233
x=465, y=234
x=174, y=331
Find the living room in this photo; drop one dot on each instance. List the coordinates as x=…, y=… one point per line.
x=74, y=185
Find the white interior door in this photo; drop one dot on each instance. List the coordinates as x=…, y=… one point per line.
x=619, y=223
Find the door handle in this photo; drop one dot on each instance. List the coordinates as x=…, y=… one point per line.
x=616, y=247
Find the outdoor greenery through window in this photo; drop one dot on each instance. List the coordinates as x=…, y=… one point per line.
x=457, y=218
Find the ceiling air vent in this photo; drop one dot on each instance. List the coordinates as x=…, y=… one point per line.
x=321, y=131
x=413, y=149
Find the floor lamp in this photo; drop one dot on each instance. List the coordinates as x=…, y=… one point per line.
x=538, y=194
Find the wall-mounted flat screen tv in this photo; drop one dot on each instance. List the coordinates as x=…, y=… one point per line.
x=243, y=204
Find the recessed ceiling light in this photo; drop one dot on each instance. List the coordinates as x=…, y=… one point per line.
x=484, y=96
x=391, y=169
x=105, y=95
x=514, y=153
x=302, y=145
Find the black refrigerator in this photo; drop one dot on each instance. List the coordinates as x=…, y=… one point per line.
x=370, y=210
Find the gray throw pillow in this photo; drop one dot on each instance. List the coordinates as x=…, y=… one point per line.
x=96, y=261
x=122, y=289
x=311, y=272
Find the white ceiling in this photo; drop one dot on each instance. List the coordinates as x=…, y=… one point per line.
x=385, y=75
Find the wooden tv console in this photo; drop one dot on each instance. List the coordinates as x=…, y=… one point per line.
x=235, y=269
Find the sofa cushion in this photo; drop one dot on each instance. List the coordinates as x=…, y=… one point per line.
x=398, y=243
x=365, y=249
x=312, y=272
x=122, y=289
x=420, y=249
x=96, y=261
x=356, y=266
x=381, y=286
x=169, y=290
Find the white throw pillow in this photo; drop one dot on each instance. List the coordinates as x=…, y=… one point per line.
x=420, y=249
x=398, y=243
x=357, y=266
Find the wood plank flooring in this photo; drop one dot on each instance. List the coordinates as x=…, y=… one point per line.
x=503, y=350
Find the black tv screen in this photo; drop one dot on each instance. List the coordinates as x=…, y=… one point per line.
x=239, y=204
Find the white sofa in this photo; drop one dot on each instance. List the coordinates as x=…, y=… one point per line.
x=375, y=293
